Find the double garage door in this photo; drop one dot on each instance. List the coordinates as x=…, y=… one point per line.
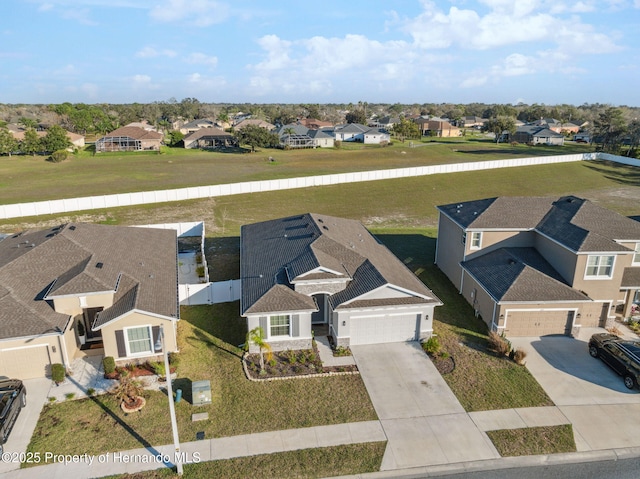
x=384, y=329
x=539, y=323
x=25, y=363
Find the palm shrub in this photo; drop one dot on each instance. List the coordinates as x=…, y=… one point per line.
x=499, y=344
x=257, y=337
x=127, y=389
x=431, y=346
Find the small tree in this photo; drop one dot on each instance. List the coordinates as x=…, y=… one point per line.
x=128, y=389
x=498, y=125
x=8, y=143
x=55, y=139
x=257, y=337
x=31, y=143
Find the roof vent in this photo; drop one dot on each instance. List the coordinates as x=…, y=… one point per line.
x=320, y=220
x=325, y=228
x=512, y=261
x=99, y=265
x=72, y=228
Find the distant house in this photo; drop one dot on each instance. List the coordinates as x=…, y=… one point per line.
x=386, y=122
x=195, y=125
x=18, y=133
x=582, y=137
x=537, y=135
x=533, y=266
x=315, y=124
x=437, y=127
x=317, y=271
x=129, y=138
x=210, y=138
x=250, y=121
x=295, y=135
x=471, y=122
x=361, y=133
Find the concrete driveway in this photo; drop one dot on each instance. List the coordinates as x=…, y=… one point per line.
x=568, y=374
x=422, y=419
x=37, y=392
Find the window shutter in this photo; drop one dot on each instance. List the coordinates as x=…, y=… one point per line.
x=264, y=324
x=155, y=335
x=295, y=325
x=122, y=350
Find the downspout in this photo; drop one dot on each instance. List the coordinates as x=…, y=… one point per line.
x=493, y=316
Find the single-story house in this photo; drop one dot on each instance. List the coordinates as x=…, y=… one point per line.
x=89, y=289
x=533, y=266
x=129, y=138
x=361, y=133
x=317, y=271
x=210, y=138
x=295, y=135
x=315, y=124
x=77, y=141
x=438, y=127
x=537, y=135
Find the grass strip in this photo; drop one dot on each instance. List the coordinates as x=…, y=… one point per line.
x=533, y=441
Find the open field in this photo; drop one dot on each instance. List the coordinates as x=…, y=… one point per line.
x=27, y=178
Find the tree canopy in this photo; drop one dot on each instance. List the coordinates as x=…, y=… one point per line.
x=256, y=136
x=55, y=139
x=8, y=143
x=498, y=125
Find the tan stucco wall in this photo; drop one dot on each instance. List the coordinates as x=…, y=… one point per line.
x=137, y=319
x=52, y=341
x=605, y=289
x=71, y=304
x=493, y=240
x=563, y=260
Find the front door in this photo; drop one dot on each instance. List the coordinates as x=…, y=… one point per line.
x=320, y=317
x=89, y=315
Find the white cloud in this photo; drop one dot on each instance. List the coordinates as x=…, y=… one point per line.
x=81, y=15
x=516, y=64
x=202, y=59
x=150, y=52
x=141, y=80
x=200, y=13
x=201, y=83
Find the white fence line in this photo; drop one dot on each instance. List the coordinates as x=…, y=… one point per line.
x=195, y=192
x=209, y=293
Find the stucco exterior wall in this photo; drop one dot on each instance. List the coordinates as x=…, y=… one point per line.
x=450, y=249
x=320, y=287
x=493, y=240
x=132, y=320
x=72, y=305
x=605, y=289
x=563, y=260
x=280, y=343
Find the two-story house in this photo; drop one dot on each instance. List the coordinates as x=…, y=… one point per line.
x=85, y=289
x=533, y=266
x=313, y=271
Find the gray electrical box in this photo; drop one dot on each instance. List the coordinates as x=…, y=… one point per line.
x=201, y=392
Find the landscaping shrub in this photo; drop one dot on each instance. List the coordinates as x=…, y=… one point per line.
x=519, y=355
x=174, y=360
x=91, y=392
x=337, y=144
x=200, y=271
x=431, y=346
x=57, y=373
x=59, y=156
x=498, y=344
x=70, y=395
x=109, y=365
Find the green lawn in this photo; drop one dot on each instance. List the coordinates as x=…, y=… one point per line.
x=28, y=178
x=208, y=339
x=534, y=440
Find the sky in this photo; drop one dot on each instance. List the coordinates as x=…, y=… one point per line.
x=404, y=51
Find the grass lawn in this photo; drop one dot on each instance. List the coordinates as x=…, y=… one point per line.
x=533, y=441
x=108, y=173
x=480, y=380
x=302, y=464
x=208, y=336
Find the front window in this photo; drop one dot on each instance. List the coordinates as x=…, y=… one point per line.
x=476, y=239
x=599, y=267
x=139, y=341
x=280, y=325
x=636, y=255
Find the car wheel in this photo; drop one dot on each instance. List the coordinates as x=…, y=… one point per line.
x=593, y=351
x=629, y=381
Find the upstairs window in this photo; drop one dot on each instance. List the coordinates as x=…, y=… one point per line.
x=636, y=255
x=600, y=267
x=476, y=240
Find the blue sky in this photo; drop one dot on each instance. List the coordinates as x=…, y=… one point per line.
x=406, y=51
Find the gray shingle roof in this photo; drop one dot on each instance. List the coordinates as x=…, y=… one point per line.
x=574, y=222
x=631, y=278
x=276, y=252
x=82, y=259
x=520, y=274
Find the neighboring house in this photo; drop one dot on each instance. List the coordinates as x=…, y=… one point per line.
x=537, y=135
x=129, y=138
x=385, y=122
x=295, y=135
x=249, y=121
x=437, y=127
x=210, y=138
x=582, y=137
x=315, y=124
x=533, y=266
x=471, y=122
x=77, y=141
x=195, y=125
x=145, y=125
x=119, y=282
x=312, y=270
x=361, y=133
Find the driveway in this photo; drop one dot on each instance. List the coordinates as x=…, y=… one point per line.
x=422, y=419
x=37, y=392
x=568, y=374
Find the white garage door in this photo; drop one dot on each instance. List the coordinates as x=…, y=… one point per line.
x=25, y=363
x=538, y=323
x=383, y=329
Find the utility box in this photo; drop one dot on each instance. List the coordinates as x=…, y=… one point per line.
x=201, y=392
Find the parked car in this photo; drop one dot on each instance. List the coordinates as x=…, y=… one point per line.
x=13, y=397
x=621, y=355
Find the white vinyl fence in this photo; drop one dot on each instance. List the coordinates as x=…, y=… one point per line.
x=209, y=293
x=163, y=196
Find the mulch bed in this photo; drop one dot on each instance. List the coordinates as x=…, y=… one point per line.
x=289, y=363
x=443, y=365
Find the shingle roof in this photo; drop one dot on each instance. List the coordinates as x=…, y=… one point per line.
x=212, y=132
x=136, y=133
x=573, y=222
x=77, y=259
x=520, y=274
x=631, y=278
x=276, y=252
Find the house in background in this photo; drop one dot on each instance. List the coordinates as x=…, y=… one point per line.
x=77, y=141
x=537, y=135
x=361, y=133
x=537, y=266
x=318, y=272
x=295, y=135
x=210, y=138
x=119, y=283
x=437, y=127
x=129, y=138
x=195, y=125
x=250, y=121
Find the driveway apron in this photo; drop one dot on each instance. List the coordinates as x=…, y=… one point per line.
x=424, y=422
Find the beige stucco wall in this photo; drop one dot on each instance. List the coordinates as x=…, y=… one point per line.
x=493, y=240
x=563, y=260
x=605, y=289
x=450, y=250
x=137, y=319
x=52, y=341
x=71, y=304
x=282, y=343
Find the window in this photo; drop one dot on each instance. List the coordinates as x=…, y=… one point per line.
x=476, y=239
x=599, y=267
x=139, y=341
x=280, y=325
x=636, y=255
x=464, y=237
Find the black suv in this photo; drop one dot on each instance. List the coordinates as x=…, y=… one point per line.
x=621, y=355
x=13, y=397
